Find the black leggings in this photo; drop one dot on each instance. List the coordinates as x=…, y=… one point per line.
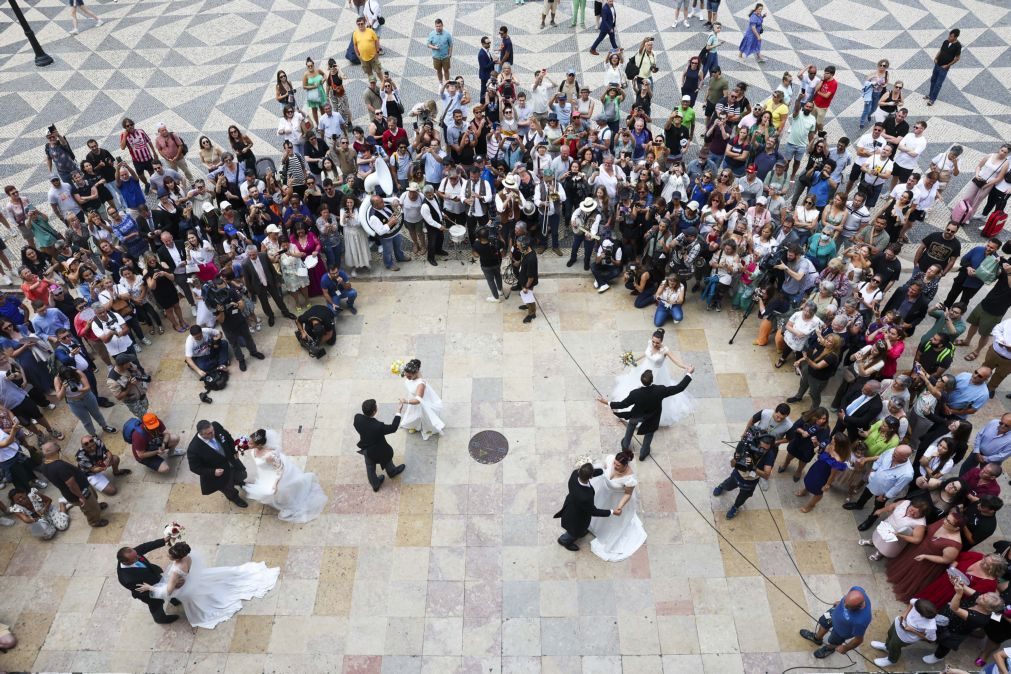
x=148, y=314
x=995, y=200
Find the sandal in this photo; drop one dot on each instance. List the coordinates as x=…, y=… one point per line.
x=806, y=509
x=972, y=355
x=780, y=363
x=181, y=330
x=781, y=469
x=161, y=330
x=961, y=342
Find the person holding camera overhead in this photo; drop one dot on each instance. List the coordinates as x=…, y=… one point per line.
x=752, y=461
x=72, y=386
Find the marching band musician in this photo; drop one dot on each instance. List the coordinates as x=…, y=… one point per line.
x=386, y=226
x=549, y=196
x=478, y=200
x=453, y=191
x=411, y=201
x=435, y=223
x=509, y=204
x=585, y=225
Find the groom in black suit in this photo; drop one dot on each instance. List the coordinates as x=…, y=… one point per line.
x=372, y=443
x=211, y=455
x=578, y=508
x=134, y=569
x=647, y=406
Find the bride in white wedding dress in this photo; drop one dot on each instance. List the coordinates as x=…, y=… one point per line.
x=280, y=483
x=210, y=595
x=422, y=406
x=617, y=538
x=675, y=408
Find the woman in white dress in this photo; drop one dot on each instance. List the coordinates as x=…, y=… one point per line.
x=210, y=595
x=423, y=404
x=675, y=408
x=617, y=538
x=280, y=483
x=356, y=242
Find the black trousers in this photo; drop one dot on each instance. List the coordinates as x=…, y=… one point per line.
x=746, y=487
x=370, y=470
x=156, y=607
x=238, y=335
x=274, y=293
x=958, y=289
x=436, y=241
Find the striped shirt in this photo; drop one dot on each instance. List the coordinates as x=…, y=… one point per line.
x=140, y=145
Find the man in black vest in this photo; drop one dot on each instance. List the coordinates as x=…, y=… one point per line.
x=647, y=406
x=435, y=224
x=134, y=569
x=578, y=509
x=373, y=445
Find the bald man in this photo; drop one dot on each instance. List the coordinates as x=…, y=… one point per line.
x=889, y=477
x=844, y=623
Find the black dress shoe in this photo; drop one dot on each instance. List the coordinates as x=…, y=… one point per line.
x=204, y=398
x=239, y=501
x=378, y=484
x=290, y=316
x=570, y=263
x=442, y=253
x=794, y=399
x=270, y=321
x=432, y=262
x=168, y=619
x=528, y=319
x=643, y=454
x=257, y=355
x=852, y=506
x=867, y=524
x=175, y=602
x=514, y=287
x=397, y=471
x=242, y=366
x=569, y=546
x=105, y=402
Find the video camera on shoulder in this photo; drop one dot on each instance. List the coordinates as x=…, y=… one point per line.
x=749, y=453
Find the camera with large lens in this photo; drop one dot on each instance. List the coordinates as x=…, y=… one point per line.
x=312, y=343
x=770, y=260
x=749, y=452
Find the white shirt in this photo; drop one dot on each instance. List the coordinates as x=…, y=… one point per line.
x=912, y=143
x=539, y=96
x=454, y=194
x=244, y=188
x=541, y=197
x=331, y=125
x=875, y=164
x=412, y=207
x=809, y=85
x=432, y=214
x=923, y=196
x=203, y=347
x=119, y=343
x=482, y=196
x=870, y=144
x=1001, y=335
x=258, y=268
x=916, y=621
x=609, y=181
x=61, y=196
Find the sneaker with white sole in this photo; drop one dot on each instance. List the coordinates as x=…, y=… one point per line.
x=98, y=22
x=595, y=284
x=603, y=289
x=147, y=341
x=490, y=299
x=932, y=659
x=38, y=484
x=193, y=310
x=883, y=662
x=178, y=451
x=73, y=31
x=880, y=645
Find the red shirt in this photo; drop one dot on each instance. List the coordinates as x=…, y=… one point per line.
x=390, y=140
x=826, y=92
x=139, y=145
x=971, y=480
x=36, y=291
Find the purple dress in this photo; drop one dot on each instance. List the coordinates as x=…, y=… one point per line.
x=317, y=272
x=749, y=43
x=818, y=474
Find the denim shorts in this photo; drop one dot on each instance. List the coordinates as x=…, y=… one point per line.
x=713, y=6
x=795, y=152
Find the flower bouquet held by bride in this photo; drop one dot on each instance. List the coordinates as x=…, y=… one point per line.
x=280, y=483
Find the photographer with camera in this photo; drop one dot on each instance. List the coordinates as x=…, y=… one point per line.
x=799, y=272
x=753, y=460
x=225, y=301
x=128, y=385
x=206, y=349
x=606, y=265
x=315, y=327
x=71, y=385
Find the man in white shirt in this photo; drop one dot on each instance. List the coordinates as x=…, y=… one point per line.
x=998, y=357
x=867, y=146
x=62, y=200
x=539, y=94
x=112, y=330
x=606, y=265
x=908, y=152
x=331, y=123
x=206, y=349
x=877, y=170
x=809, y=83
x=480, y=200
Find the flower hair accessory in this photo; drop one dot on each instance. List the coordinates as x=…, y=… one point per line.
x=173, y=533
x=242, y=444
x=628, y=359
x=397, y=367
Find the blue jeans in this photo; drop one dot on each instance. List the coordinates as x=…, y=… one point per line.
x=663, y=313
x=604, y=273
x=86, y=408
x=936, y=80
x=600, y=38
x=349, y=295
x=391, y=250
x=587, y=249
x=333, y=255
x=216, y=358
x=865, y=116
x=712, y=61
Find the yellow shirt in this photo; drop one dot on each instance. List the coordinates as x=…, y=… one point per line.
x=779, y=113
x=366, y=42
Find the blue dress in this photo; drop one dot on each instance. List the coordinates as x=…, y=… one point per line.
x=751, y=44
x=818, y=474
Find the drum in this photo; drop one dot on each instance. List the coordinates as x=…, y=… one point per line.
x=457, y=233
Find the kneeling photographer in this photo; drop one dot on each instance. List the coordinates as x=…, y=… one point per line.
x=606, y=264
x=753, y=459
x=315, y=327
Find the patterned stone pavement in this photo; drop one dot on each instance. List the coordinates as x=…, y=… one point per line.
x=453, y=566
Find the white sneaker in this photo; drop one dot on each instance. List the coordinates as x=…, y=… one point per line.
x=73, y=31
x=595, y=284
x=686, y=24
x=883, y=662
x=98, y=22
x=354, y=273
x=603, y=289
x=146, y=341
x=178, y=451
x=137, y=347
x=880, y=645
x=490, y=299
x=63, y=501
x=932, y=659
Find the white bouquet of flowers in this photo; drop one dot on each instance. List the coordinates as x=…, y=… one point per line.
x=173, y=533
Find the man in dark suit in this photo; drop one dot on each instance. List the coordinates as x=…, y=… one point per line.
x=211, y=455
x=263, y=281
x=372, y=443
x=485, y=64
x=134, y=569
x=647, y=406
x=608, y=23
x=578, y=508
x=172, y=258
x=859, y=410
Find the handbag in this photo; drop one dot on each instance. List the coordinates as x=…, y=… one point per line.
x=313, y=96
x=122, y=307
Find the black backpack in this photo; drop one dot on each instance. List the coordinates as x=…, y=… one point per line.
x=216, y=380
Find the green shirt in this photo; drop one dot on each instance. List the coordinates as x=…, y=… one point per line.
x=801, y=126
x=687, y=116
x=938, y=326
x=718, y=87
x=876, y=444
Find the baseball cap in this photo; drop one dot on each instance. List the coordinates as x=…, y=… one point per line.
x=752, y=168
x=224, y=204
x=151, y=421
x=686, y=97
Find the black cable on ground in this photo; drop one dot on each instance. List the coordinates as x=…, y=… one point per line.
x=719, y=533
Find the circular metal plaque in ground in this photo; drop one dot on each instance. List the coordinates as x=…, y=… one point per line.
x=488, y=447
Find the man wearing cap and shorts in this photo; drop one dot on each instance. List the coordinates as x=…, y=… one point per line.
x=151, y=443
